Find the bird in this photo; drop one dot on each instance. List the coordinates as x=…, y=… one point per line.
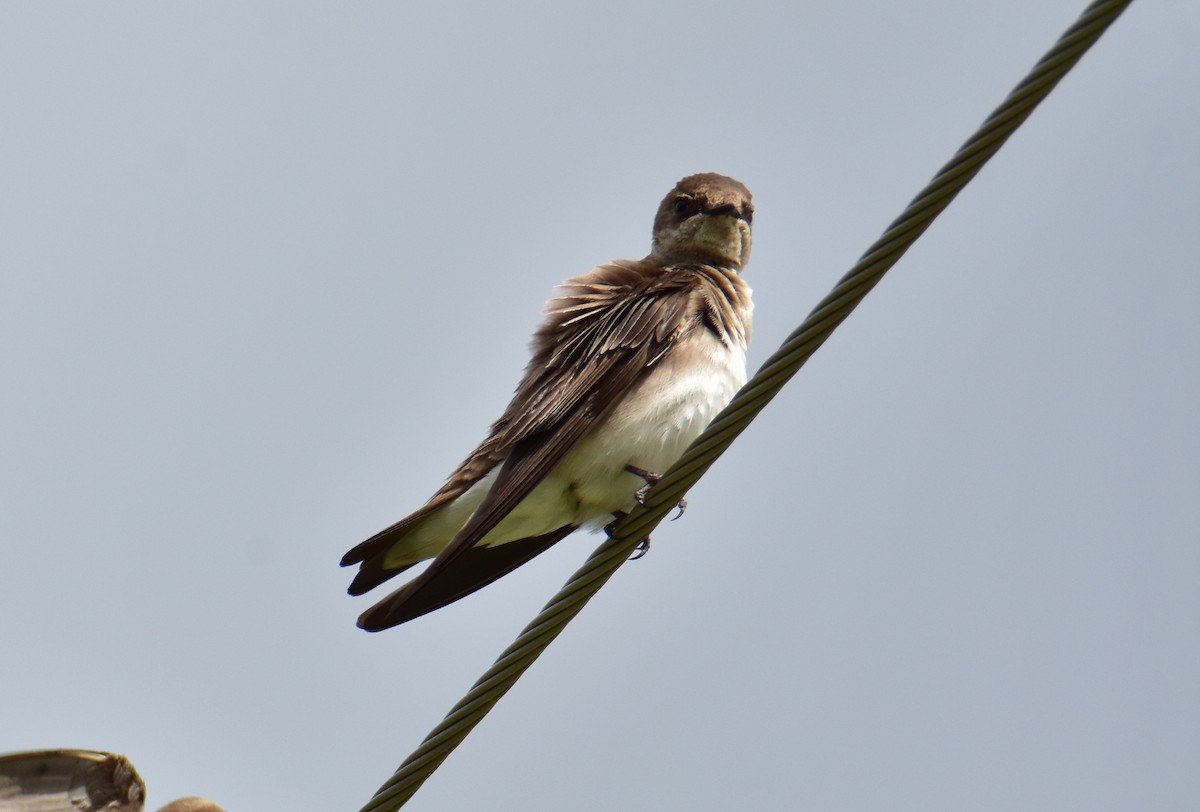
x=631, y=362
x=71, y=780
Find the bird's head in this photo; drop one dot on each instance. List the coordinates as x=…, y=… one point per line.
x=705, y=219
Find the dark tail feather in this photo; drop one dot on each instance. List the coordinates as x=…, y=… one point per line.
x=372, y=553
x=439, y=586
x=372, y=573
x=382, y=541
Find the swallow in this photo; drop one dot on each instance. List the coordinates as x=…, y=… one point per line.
x=630, y=363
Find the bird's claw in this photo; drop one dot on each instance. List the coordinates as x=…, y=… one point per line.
x=682, y=507
x=651, y=479
x=643, y=545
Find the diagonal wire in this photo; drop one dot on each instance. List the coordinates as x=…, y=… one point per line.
x=748, y=402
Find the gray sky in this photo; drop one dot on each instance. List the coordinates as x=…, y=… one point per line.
x=269, y=271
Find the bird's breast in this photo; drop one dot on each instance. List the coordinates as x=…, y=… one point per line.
x=656, y=421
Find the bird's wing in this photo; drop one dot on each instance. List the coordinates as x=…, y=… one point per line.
x=70, y=781
x=600, y=336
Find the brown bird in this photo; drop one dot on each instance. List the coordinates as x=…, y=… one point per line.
x=79, y=781
x=630, y=364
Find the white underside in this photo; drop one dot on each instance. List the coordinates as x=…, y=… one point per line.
x=649, y=429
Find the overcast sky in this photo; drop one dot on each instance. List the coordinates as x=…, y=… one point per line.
x=269, y=271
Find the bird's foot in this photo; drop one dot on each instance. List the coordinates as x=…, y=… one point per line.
x=643, y=545
x=651, y=479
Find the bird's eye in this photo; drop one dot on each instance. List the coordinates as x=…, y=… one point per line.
x=685, y=206
x=748, y=216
